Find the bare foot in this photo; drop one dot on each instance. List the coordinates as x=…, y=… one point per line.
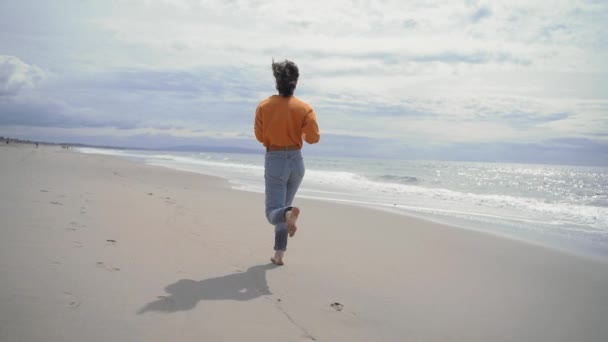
x=292, y=217
x=277, y=259
x=276, y=262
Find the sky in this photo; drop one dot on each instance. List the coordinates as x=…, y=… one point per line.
x=453, y=80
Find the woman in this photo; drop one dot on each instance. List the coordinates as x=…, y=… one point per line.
x=282, y=122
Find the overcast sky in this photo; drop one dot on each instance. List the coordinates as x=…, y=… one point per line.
x=496, y=80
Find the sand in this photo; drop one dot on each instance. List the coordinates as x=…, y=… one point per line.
x=97, y=248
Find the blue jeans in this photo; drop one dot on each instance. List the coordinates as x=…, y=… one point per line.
x=283, y=173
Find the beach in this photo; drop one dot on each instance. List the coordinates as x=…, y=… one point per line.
x=99, y=248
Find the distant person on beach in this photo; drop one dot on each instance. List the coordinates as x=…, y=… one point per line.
x=282, y=122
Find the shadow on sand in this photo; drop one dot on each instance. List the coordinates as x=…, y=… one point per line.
x=186, y=293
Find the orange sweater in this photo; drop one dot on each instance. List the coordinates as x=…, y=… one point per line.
x=284, y=121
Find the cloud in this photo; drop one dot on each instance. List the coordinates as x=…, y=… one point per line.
x=16, y=75
x=36, y=112
x=220, y=83
x=481, y=13
x=417, y=73
x=211, y=99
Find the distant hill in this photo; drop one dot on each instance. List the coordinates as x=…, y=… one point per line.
x=221, y=149
x=180, y=148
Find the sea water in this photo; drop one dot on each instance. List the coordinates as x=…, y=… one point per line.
x=557, y=205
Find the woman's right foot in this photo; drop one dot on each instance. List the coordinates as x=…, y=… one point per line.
x=292, y=217
x=276, y=262
x=277, y=259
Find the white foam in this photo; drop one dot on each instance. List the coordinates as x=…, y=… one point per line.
x=104, y=151
x=247, y=174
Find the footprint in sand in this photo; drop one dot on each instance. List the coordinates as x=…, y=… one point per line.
x=73, y=301
x=101, y=264
x=74, y=304
x=56, y=203
x=337, y=306
x=44, y=190
x=75, y=225
x=111, y=242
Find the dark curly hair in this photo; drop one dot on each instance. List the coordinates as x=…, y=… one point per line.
x=286, y=74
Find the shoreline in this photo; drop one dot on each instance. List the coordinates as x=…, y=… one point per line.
x=101, y=248
x=572, y=246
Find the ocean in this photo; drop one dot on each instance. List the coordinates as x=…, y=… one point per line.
x=560, y=206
